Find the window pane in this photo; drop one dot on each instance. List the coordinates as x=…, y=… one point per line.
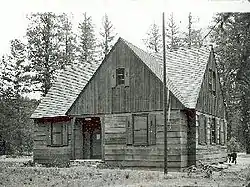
x=210, y=76
x=56, y=128
x=57, y=138
x=140, y=137
x=140, y=122
x=214, y=80
x=120, y=76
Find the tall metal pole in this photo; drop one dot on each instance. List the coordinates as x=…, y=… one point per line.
x=164, y=98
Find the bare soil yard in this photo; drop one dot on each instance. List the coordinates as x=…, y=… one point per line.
x=13, y=172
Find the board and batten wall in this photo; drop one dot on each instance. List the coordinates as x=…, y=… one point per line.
x=120, y=150
x=211, y=106
x=211, y=152
x=207, y=102
x=142, y=90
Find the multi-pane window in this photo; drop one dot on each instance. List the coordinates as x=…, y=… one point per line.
x=120, y=79
x=212, y=81
x=57, y=134
x=213, y=131
x=143, y=130
x=214, y=84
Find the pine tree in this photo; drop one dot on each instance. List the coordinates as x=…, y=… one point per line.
x=192, y=38
x=48, y=47
x=107, y=34
x=14, y=73
x=153, y=41
x=173, y=38
x=69, y=40
x=14, y=114
x=232, y=47
x=87, y=41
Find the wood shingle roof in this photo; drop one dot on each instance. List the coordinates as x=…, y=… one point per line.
x=185, y=72
x=65, y=90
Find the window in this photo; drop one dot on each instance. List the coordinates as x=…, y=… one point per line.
x=212, y=81
x=120, y=76
x=143, y=130
x=56, y=134
x=202, y=130
x=213, y=131
x=214, y=84
x=140, y=130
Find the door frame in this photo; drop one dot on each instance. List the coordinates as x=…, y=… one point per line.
x=102, y=117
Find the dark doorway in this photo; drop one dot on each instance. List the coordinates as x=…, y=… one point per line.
x=92, y=139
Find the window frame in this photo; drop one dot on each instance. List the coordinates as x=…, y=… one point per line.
x=133, y=129
x=213, y=132
x=53, y=133
x=63, y=133
x=212, y=81
x=120, y=76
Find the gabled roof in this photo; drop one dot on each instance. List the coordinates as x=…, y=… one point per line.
x=64, y=91
x=185, y=72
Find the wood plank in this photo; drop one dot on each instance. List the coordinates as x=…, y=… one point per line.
x=142, y=94
x=140, y=163
x=150, y=150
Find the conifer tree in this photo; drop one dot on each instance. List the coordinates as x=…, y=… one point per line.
x=192, y=38
x=173, y=39
x=87, y=41
x=153, y=41
x=232, y=48
x=48, y=36
x=107, y=35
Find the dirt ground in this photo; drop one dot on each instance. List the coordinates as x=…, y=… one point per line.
x=13, y=172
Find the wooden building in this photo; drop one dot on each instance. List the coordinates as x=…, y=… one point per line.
x=115, y=112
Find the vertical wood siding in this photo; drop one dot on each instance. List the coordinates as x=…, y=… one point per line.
x=215, y=152
x=142, y=91
x=207, y=102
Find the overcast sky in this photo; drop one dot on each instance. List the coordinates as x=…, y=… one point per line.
x=131, y=18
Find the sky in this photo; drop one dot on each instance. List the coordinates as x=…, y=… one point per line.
x=131, y=18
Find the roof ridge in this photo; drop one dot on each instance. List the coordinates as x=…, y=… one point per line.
x=192, y=65
x=154, y=69
x=184, y=78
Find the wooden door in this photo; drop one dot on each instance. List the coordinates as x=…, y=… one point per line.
x=92, y=139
